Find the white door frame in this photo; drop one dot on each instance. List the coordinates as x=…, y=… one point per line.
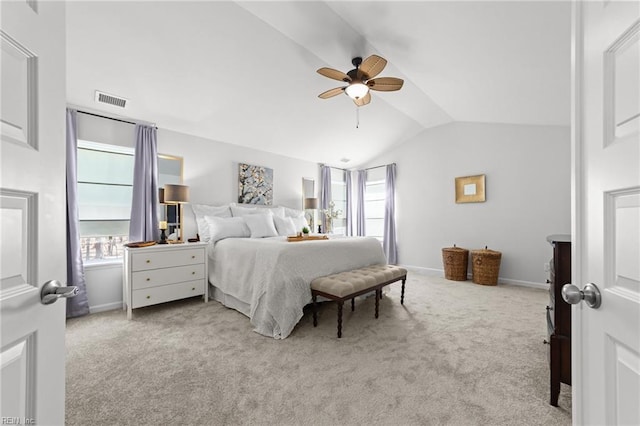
x=577, y=203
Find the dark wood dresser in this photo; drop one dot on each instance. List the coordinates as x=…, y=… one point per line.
x=559, y=315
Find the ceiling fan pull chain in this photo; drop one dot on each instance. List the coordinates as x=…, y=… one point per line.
x=357, y=118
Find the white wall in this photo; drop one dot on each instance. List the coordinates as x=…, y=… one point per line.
x=210, y=171
x=528, y=184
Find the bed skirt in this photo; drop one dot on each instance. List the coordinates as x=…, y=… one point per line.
x=229, y=301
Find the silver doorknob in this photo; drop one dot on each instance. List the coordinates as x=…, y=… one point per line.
x=54, y=290
x=590, y=294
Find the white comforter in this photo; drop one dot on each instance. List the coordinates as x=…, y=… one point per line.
x=273, y=275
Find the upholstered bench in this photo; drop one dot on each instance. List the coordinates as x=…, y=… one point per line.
x=349, y=284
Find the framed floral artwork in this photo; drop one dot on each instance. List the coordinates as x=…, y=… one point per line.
x=255, y=184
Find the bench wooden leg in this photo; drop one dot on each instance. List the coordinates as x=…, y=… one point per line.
x=378, y=291
x=402, y=294
x=315, y=310
x=353, y=304
x=340, y=303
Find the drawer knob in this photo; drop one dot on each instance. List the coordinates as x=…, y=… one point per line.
x=193, y=257
x=548, y=281
x=193, y=288
x=148, y=261
x=193, y=273
x=148, y=297
x=546, y=342
x=148, y=279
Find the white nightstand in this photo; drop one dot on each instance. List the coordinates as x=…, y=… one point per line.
x=164, y=272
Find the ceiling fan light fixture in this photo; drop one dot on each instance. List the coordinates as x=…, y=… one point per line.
x=356, y=90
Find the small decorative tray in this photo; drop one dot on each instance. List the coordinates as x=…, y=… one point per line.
x=140, y=244
x=295, y=238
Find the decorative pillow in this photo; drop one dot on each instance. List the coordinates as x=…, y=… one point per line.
x=285, y=225
x=299, y=222
x=226, y=227
x=288, y=212
x=202, y=210
x=245, y=209
x=237, y=211
x=277, y=211
x=261, y=225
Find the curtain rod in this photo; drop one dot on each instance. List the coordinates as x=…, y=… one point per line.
x=377, y=167
x=114, y=119
x=351, y=170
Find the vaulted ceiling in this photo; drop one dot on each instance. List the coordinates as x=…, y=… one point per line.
x=245, y=72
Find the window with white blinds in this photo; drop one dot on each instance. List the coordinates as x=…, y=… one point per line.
x=339, y=197
x=374, y=200
x=105, y=190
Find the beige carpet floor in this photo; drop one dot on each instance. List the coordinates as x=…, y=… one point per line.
x=456, y=353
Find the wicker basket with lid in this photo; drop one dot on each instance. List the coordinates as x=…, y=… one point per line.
x=455, y=261
x=485, y=266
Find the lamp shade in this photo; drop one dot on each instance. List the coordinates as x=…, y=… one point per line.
x=356, y=90
x=176, y=193
x=310, y=203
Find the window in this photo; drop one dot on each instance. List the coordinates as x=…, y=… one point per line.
x=105, y=189
x=339, y=197
x=374, y=200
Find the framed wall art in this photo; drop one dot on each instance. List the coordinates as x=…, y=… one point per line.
x=255, y=184
x=470, y=189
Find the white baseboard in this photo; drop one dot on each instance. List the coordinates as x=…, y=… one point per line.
x=432, y=272
x=520, y=283
x=105, y=307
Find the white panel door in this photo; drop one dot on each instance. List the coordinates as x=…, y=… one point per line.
x=32, y=210
x=606, y=340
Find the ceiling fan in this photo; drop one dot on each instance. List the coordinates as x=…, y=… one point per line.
x=361, y=80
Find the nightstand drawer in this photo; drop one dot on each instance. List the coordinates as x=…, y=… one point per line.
x=166, y=259
x=166, y=293
x=157, y=277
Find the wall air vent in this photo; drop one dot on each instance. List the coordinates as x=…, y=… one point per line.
x=105, y=98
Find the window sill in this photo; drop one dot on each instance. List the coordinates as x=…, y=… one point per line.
x=107, y=264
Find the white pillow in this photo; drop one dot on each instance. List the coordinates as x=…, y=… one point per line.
x=277, y=211
x=208, y=210
x=299, y=223
x=226, y=227
x=202, y=210
x=242, y=211
x=261, y=225
x=288, y=212
x=284, y=225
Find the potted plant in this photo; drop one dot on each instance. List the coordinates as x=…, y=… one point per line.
x=305, y=231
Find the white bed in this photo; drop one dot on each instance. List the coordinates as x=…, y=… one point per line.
x=268, y=279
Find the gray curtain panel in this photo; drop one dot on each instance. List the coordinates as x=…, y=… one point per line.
x=361, y=189
x=78, y=305
x=389, y=238
x=325, y=191
x=144, y=213
x=349, y=209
